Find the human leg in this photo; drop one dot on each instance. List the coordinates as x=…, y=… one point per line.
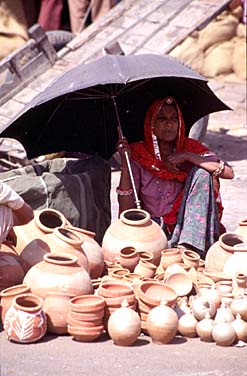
x=198, y=219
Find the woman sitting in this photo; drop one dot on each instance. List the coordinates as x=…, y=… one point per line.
x=176, y=179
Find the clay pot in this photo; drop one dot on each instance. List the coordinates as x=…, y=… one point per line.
x=152, y=292
x=216, y=276
x=60, y=273
x=82, y=323
x=92, y=250
x=93, y=316
x=211, y=293
x=180, y=282
x=201, y=305
x=87, y=303
x=124, y=325
x=170, y=256
x=11, y=270
x=83, y=334
x=239, y=284
x=25, y=320
x=223, y=314
x=204, y=329
x=146, y=255
x=187, y=325
x=242, y=228
x=221, y=250
x=162, y=323
x=56, y=308
x=67, y=241
x=145, y=268
x=118, y=273
x=7, y=296
x=114, y=289
x=224, y=286
x=237, y=262
x=182, y=307
x=223, y=334
x=136, y=229
x=30, y=243
x=190, y=258
x=129, y=258
x=239, y=306
x=240, y=328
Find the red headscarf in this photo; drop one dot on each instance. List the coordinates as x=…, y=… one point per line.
x=145, y=152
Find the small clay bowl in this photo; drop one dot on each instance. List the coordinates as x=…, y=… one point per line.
x=180, y=282
x=87, y=303
x=152, y=292
x=112, y=289
x=119, y=299
x=217, y=276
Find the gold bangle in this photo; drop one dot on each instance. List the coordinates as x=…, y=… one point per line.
x=220, y=169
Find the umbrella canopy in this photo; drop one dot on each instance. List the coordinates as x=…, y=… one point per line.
x=82, y=109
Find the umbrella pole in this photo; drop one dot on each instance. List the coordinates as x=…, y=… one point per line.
x=137, y=201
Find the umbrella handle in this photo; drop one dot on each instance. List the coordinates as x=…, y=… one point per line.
x=137, y=201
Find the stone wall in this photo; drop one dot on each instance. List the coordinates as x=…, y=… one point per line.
x=218, y=50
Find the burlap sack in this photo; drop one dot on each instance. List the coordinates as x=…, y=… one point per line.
x=239, y=58
x=13, y=26
x=218, y=59
x=222, y=29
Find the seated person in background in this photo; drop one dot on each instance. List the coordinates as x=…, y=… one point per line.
x=176, y=178
x=14, y=211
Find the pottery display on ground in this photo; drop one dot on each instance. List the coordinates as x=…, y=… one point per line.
x=124, y=325
x=92, y=250
x=60, y=273
x=25, y=320
x=136, y=229
x=221, y=250
x=30, y=243
x=162, y=323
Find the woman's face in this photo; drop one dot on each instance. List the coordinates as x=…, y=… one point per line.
x=166, y=123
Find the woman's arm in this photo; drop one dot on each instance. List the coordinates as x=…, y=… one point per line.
x=210, y=163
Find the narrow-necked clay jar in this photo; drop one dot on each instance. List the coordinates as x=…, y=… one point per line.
x=30, y=243
x=129, y=258
x=239, y=284
x=162, y=323
x=136, y=229
x=204, y=328
x=124, y=325
x=25, y=320
x=223, y=334
x=240, y=327
x=187, y=325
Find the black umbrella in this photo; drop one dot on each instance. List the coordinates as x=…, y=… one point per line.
x=82, y=109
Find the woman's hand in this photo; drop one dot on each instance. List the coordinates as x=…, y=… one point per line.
x=176, y=161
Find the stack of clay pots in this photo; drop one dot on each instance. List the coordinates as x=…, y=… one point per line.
x=85, y=317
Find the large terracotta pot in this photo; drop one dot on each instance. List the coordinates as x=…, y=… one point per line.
x=56, y=307
x=30, y=243
x=93, y=251
x=221, y=250
x=67, y=241
x=237, y=262
x=136, y=229
x=25, y=320
x=58, y=273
